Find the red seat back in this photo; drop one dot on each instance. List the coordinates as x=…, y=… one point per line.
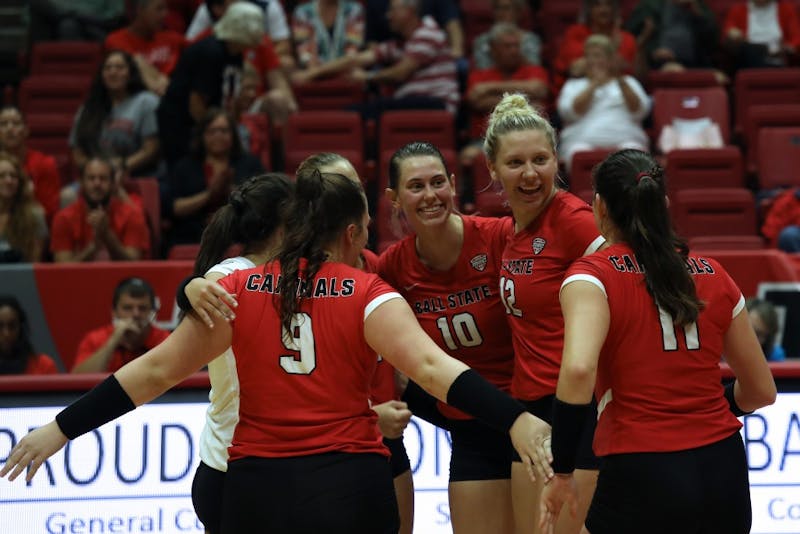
x=714, y=211
x=779, y=157
x=66, y=57
x=307, y=133
x=52, y=93
x=764, y=116
x=764, y=86
x=691, y=103
x=704, y=167
x=329, y=94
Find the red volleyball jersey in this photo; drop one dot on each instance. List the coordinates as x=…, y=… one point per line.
x=659, y=386
x=460, y=308
x=534, y=263
x=308, y=394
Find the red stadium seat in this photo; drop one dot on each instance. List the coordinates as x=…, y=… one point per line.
x=398, y=128
x=749, y=268
x=727, y=242
x=764, y=86
x=705, y=167
x=329, y=94
x=66, y=57
x=49, y=133
x=767, y=116
x=687, y=79
x=306, y=133
x=580, y=177
x=52, y=93
x=779, y=157
x=714, y=212
x=691, y=103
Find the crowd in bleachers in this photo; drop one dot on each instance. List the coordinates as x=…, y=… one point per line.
x=182, y=99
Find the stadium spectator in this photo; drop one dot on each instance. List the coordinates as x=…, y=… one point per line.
x=604, y=109
x=419, y=66
x=445, y=12
x=202, y=181
x=507, y=11
x=762, y=33
x=130, y=334
x=782, y=222
x=275, y=25
x=597, y=16
x=324, y=30
x=509, y=72
x=74, y=20
x=764, y=319
x=99, y=225
x=118, y=118
x=273, y=94
x=207, y=75
x=17, y=355
x=154, y=49
x=674, y=34
x=41, y=168
x=23, y=229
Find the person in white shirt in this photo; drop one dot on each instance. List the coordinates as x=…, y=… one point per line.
x=604, y=109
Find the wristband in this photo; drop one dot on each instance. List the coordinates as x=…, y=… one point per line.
x=424, y=405
x=103, y=403
x=568, y=423
x=180, y=297
x=738, y=412
x=471, y=393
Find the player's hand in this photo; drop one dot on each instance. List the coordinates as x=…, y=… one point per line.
x=393, y=416
x=559, y=490
x=33, y=450
x=210, y=300
x=531, y=438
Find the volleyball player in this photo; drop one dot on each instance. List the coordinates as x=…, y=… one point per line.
x=552, y=228
x=646, y=324
x=447, y=270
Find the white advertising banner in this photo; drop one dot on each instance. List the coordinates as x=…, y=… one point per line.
x=134, y=475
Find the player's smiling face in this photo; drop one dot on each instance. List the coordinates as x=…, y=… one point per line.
x=526, y=166
x=425, y=192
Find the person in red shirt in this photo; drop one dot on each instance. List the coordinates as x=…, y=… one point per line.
x=448, y=270
x=552, y=228
x=99, y=225
x=306, y=336
x=130, y=334
x=646, y=324
x=154, y=49
x=762, y=33
x=17, y=355
x=601, y=16
x=41, y=168
x=509, y=73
